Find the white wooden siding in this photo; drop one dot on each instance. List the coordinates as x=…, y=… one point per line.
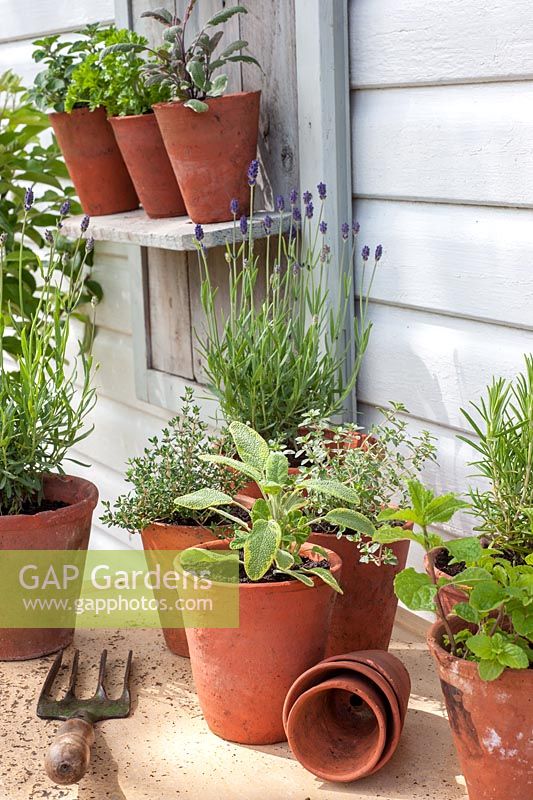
x=442, y=125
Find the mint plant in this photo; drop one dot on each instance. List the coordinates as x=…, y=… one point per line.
x=498, y=609
x=186, y=69
x=278, y=526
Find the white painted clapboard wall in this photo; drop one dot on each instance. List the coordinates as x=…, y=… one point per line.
x=442, y=132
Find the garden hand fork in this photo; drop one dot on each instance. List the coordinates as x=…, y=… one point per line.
x=70, y=752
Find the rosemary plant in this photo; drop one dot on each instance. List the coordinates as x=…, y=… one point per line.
x=42, y=409
x=277, y=353
x=504, y=426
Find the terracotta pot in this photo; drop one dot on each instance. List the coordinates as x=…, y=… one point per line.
x=243, y=674
x=142, y=148
x=363, y=617
x=490, y=722
x=353, y=441
x=160, y=536
x=337, y=729
x=94, y=162
x=449, y=595
x=210, y=152
x=67, y=528
x=387, y=674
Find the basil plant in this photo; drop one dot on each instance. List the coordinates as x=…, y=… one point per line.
x=272, y=534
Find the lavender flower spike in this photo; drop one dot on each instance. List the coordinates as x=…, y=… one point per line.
x=244, y=225
x=379, y=252
x=365, y=252
x=296, y=214
x=267, y=223
x=356, y=228
x=64, y=207
x=28, y=199
x=89, y=245
x=253, y=171
x=309, y=210
x=321, y=190
x=280, y=203
x=234, y=206
x=345, y=230
x=323, y=228
x=49, y=236
x=198, y=232
x=84, y=224
x=293, y=197
x=307, y=197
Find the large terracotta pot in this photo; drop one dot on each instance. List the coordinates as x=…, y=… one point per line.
x=210, y=152
x=160, y=536
x=65, y=529
x=243, y=674
x=94, y=161
x=142, y=148
x=363, y=617
x=491, y=723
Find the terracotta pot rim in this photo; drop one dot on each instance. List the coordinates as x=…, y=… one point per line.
x=77, y=112
x=128, y=117
x=209, y=100
x=294, y=585
x=166, y=525
x=89, y=499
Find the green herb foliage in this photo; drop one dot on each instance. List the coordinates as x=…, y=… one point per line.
x=498, y=605
x=42, y=410
x=170, y=466
x=186, y=69
x=278, y=354
x=60, y=58
x=377, y=470
x=503, y=424
x=113, y=78
x=278, y=527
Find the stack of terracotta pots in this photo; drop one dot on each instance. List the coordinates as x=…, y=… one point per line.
x=344, y=717
x=175, y=161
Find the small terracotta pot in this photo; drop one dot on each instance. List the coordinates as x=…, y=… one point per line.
x=210, y=152
x=363, y=616
x=387, y=674
x=491, y=723
x=353, y=441
x=94, y=161
x=142, y=148
x=449, y=595
x=243, y=674
x=67, y=528
x=160, y=536
x=337, y=729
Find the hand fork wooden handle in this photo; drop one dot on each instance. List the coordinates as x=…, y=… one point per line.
x=70, y=752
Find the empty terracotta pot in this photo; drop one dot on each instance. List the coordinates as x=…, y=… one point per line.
x=210, y=152
x=337, y=729
x=160, y=536
x=142, y=148
x=94, y=162
x=491, y=723
x=243, y=674
x=363, y=617
x=66, y=528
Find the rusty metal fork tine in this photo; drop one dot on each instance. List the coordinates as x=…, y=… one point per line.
x=100, y=690
x=125, y=696
x=70, y=694
x=50, y=678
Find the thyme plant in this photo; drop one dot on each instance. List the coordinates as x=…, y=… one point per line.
x=186, y=69
x=503, y=424
x=493, y=626
x=378, y=470
x=171, y=465
x=279, y=352
x=42, y=409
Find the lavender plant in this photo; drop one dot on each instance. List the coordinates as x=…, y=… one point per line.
x=42, y=409
x=278, y=353
x=186, y=69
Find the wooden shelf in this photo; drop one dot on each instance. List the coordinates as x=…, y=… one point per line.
x=175, y=233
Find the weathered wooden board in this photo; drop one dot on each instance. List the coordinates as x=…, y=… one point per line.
x=111, y=270
x=435, y=364
x=25, y=19
x=468, y=261
x=428, y=41
x=462, y=144
x=170, y=319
